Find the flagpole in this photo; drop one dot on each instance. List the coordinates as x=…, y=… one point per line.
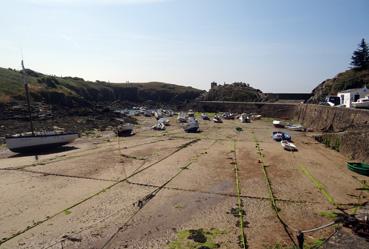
x=27, y=97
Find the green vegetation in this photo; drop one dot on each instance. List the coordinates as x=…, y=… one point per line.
x=74, y=90
x=196, y=239
x=312, y=245
x=328, y=214
x=237, y=91
x=332, y=141
x=67, y=212
x=356, y=77
x=360, y=57
x=318, y=185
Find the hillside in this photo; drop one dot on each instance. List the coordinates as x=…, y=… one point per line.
x=237, y=91
x=346, y=80
x=74, y=91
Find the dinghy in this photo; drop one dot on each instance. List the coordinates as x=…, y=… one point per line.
x=245, y=118
x=191, y=126
x=181, y=117
x=159, y=127
x=190, y=113
x=288, y=145
x=204, y=116
x=360, y=168
x=37, y=141
x=279, y=124
x=165, y=121
x=295, y=127
x=124, y=130
x=279, y=135
x=217, y=119
x=255, y=117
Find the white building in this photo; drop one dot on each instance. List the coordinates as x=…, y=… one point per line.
x=352, y=95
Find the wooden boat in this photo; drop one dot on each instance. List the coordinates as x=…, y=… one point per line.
x=360, y=168
x=37, y=141
x=288, y=145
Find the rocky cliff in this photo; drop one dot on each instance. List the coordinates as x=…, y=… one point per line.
x=349, y=79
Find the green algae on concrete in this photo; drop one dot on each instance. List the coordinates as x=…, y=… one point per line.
x=196, y=239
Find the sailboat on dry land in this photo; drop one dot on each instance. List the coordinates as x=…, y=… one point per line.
x=37, y=141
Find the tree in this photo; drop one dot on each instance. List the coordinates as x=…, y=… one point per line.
x=360, y=57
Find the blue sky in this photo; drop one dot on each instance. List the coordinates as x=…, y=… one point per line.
x=275, y=45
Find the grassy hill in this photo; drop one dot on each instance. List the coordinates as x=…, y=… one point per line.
x=70, y=91
x=346, y=80
x=237, y=91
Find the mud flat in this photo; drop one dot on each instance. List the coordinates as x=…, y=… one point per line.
x=175, y=190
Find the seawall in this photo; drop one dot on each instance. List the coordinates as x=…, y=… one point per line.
x=346, y=130
x=273, y=110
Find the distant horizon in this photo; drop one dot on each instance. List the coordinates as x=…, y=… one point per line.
x=283, y=46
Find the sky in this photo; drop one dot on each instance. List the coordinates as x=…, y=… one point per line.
x=274, y=45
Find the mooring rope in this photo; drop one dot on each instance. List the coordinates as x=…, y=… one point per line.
x=276, y=209
x=142, y=202
x=239, y=201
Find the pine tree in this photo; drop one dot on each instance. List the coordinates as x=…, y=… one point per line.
x=360, y=57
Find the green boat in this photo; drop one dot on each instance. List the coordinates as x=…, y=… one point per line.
x=360, y=168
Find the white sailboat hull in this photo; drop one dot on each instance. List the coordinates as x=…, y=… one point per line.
x=39, y=142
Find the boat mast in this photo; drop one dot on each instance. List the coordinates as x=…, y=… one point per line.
x=27, y=97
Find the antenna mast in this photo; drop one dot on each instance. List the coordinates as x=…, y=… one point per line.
x=27, y=97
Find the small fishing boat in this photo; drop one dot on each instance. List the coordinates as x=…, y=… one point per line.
x=124, y=130
x=245, y=118
x=181, y=117
x=190, y=113
x=204, y=116
x=191, y=126
x=361, y=103
x=158, y=114
x=279, y=124
x=159, y=127
x=28, y=142
x=228, y=115
x=288, y=145
x=217, y=119
x=165, y=121
x=295, y=127
x=37, y=141
x=255, y=117
x=147, y=113
x=360, y=168
x=279, y=135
